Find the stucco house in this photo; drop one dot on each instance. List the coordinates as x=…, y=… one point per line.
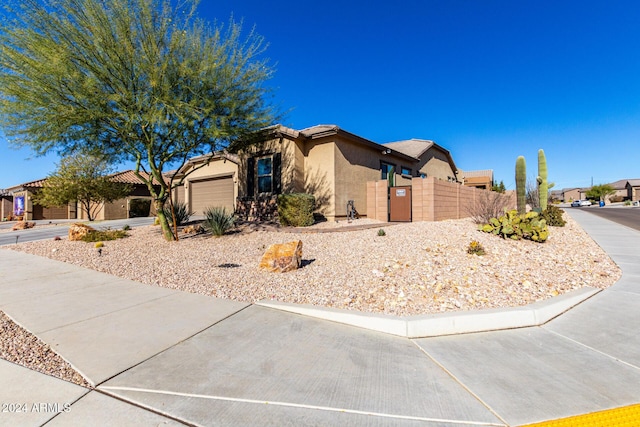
x=21, y=197
x=23, y=203
x=571, y=194
x=626, y=189
x=478, y=178
x=329, y=162
x=135, y=204
x=6, y=204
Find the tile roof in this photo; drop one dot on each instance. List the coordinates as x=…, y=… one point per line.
x=128, y=177
x=620, y=184
x=411, y=147
x=39, y=183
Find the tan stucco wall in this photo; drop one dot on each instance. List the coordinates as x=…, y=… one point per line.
x=435, y=164
x=354, y=166
x=319, y=176
x=6, y=208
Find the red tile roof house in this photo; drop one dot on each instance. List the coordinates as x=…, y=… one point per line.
x=329, y=162
x=119, y=209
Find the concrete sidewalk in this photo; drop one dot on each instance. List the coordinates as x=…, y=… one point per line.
x=164, y=357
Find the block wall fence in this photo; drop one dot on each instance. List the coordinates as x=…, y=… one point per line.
x=432, y=199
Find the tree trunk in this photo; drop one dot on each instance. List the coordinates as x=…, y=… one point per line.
x=164, y=221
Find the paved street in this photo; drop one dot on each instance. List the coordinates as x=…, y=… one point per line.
x=44, y=231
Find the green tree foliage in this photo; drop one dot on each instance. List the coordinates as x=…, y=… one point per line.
x=599, y=192
x=135, y=80
x=499, y=188
x=82, y=178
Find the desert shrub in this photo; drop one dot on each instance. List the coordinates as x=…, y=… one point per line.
x=181, y=212
x=218, y=221
x=553, y=216
x=627, y=202
x=102, y=235
x=489, y=204
x=530, y=226
x=475, y=248
x=616, y=199
x=296, y=209
x=139, y=208
x=381, y=232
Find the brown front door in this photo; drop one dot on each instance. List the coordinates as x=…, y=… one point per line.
x=400, y=204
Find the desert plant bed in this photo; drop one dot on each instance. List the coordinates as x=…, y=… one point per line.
x=416, y=268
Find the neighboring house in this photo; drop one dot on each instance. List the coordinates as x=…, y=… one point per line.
x=332, y=164
x=628, y=189
x=23, y=203
x=571, y=194
x=633, y=189
x=621, y=190
x=137, y=203
x=478, y=179
x=6, y=204
x=625, y=189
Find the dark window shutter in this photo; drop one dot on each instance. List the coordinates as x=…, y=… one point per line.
x=277, y=173
x=251, y=170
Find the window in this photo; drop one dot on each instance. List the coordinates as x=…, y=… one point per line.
x=385, y=169
x=265, y=174
x=405, y=171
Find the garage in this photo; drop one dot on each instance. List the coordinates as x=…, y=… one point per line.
x=58, y=212
x=212, y=192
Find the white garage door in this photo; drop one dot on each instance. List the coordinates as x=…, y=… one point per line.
x=211, y=193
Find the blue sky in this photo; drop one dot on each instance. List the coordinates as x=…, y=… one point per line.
x=488, y=80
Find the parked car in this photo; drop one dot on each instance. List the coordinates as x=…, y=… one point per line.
x=578, y=203
x=585, y=203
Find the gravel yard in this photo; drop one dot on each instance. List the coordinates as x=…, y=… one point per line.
x=417, y=268
x=20, y=346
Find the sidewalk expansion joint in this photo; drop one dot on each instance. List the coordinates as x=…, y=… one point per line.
x=593, y=349
x=463, y=385
x=175, y=344
x=305, y=406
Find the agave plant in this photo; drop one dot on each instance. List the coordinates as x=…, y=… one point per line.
x=181, y=212
x=218, y=221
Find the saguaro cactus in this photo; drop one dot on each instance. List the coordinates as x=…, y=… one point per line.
x=521, y=182
x=543, y=185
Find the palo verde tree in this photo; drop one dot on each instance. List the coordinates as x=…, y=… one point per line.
x=134, y=80
x=600, y=192
x=82, y=178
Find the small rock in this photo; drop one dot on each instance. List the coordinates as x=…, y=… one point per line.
x=193, y=229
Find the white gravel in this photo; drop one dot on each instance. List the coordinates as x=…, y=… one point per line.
x=417, y=268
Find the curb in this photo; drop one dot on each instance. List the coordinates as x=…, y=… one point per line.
x=435, y=325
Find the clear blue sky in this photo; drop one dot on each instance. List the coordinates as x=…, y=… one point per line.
x=488, y=80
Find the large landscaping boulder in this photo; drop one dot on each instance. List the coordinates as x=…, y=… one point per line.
x=284, y=257
x=78, y=231
x=22, y=225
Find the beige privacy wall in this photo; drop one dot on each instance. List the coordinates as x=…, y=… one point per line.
x=432, y=199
